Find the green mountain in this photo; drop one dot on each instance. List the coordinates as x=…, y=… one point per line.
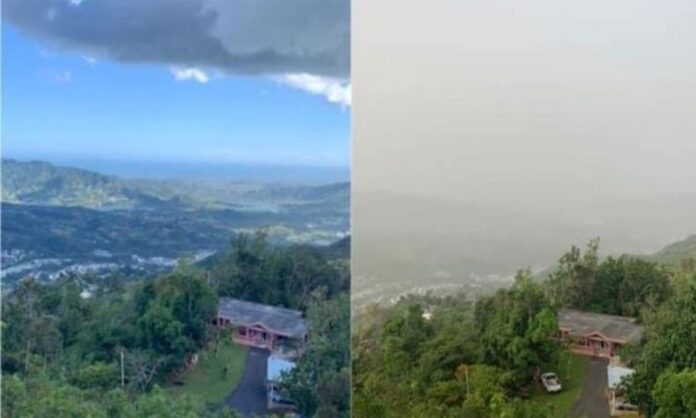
x=58, y=220
x=673, y=254
x=339, y=249
x=42, y=183
x=45, y=184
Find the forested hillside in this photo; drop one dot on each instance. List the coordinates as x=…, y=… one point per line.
x=456, y=356
x=676, y=254
x=46, y=184
x=42, y=183
x=61, y=220
x=64, y=343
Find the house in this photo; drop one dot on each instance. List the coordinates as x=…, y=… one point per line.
x=597, y=334
x=263, y=326
x=276, y=366
x=617, y=403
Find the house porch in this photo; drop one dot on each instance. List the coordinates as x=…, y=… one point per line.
x=595, y=346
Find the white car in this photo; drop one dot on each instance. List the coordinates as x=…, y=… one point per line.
x=551, y=382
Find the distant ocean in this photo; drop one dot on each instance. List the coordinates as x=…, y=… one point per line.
x=214, y=170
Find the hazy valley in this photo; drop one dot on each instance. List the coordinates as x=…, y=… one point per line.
x=411, y=244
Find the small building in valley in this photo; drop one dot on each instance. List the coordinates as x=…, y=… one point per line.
x=263, y=326
x=597, y=334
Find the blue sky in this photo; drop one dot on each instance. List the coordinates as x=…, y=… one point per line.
x=60, y=105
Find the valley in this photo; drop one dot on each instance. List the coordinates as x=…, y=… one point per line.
x=408, y=244
x=60, y=220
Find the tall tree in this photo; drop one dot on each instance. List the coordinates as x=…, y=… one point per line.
x=674, y=394
x=517, y=327
x=320, y=383
x=574, y=277
x=671, y=338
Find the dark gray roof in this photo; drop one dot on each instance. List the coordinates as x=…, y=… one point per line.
x=281, y=320
x=581, y=323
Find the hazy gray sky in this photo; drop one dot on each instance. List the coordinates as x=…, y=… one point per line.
x=524, y=98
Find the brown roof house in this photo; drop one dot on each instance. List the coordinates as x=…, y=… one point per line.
x=596, y=334
x=263, y=326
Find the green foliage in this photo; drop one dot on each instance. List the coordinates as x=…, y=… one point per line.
x=616, y=286
x=174, y=322
x=62, y=352
x=31, y=333
x=404, y=338
x=574, y=277
x=287, y=276
x=320, y=384
x=464, y=362
x=626, y=285
x=41, y=397
x=517, y=408
x=432, y=357
x=517, y=327
x=671, y=338
x=452, y=345
x=680, y=254
x=155, y=324
x=674, y=394
x=97, y=375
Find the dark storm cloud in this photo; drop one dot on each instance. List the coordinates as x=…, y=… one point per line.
x=236, y=36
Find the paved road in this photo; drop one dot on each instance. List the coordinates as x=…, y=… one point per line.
x=249, y=398
x=593, y=402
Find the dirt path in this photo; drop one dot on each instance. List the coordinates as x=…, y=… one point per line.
x=593, y=402
x=249, y=398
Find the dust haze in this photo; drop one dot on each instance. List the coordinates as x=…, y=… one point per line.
x=492, y=135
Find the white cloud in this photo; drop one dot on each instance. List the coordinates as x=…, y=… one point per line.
x=192, y=73
x=76, y=2
x=89, y=60
x=333, y=89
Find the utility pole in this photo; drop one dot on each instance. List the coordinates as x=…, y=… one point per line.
x=123, y=376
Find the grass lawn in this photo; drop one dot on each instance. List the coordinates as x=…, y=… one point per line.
x=572, y=374
x=207, y=380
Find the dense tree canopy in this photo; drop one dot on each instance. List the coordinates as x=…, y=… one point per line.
x=674, y=394
x=517, y=327
x=283, y=276
x=320, y=383
x=448, y=357
x=62, y=351
x=616, y=286
x=669, y=347
x=433, y=357
x=39, y=397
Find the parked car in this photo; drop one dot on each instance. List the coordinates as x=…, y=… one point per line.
x=621, y=406
x=551, y=382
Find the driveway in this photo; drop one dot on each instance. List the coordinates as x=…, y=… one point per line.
x=593, y=402
x=249, y=398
